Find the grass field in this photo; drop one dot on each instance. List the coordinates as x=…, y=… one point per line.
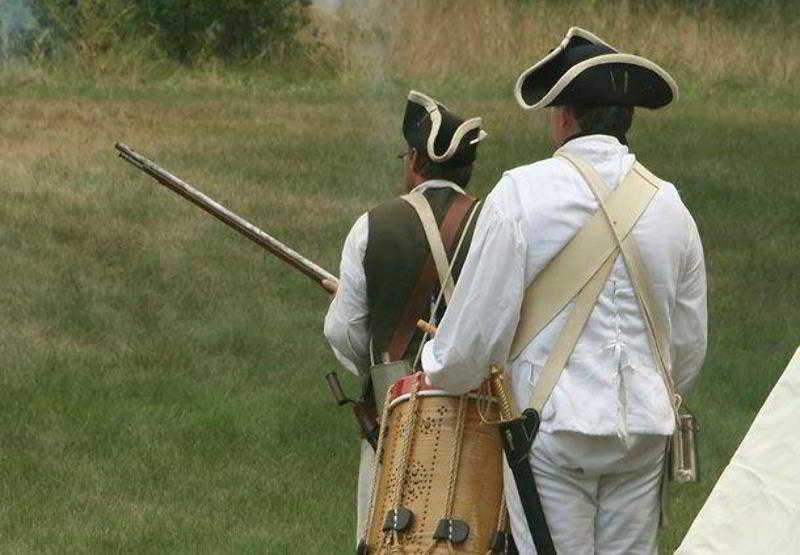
x=162, y=379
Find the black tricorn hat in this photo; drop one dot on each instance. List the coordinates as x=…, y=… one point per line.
x=443, y=136
x=585, y=70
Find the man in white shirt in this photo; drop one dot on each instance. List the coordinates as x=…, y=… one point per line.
x=388, y=279
x=598, y=459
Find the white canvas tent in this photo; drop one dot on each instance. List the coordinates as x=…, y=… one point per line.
x=755, y=505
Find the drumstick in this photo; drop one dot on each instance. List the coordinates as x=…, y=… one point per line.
x=428, y=328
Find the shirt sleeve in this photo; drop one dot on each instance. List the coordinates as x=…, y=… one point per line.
x=690, y=316
x=479, y=324
x=347, y=321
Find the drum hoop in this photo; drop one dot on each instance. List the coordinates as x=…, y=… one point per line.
x=438, y=393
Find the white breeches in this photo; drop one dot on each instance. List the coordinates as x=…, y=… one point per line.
x=363, y=488
x=599, y=496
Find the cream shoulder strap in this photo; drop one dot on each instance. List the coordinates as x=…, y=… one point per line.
x=641, y=191
x=572, y=268
x=655, y=322
x=565, y=344
x=420, y=204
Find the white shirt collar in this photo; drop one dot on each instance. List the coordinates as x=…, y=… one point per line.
x=594, y=144
x=436, y=184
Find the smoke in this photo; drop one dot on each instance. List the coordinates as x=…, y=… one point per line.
x=331, y=5
x=17, y=27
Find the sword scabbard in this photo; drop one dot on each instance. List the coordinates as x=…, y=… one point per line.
x=518, y=433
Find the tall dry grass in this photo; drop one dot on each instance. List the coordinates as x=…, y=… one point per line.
x=417, y=38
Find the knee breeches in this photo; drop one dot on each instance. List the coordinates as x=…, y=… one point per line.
x=600, y=496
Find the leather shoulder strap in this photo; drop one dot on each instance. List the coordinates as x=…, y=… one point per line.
x=655, y=321
x=570, y=333
x=418, y=302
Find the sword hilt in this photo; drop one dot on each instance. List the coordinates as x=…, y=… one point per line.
x=498, y=380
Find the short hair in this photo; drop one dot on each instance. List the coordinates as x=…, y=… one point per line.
x=427, y=168
x=604, y=120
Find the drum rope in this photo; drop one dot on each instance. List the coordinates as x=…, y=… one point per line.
x=502, y=519
x=483, y=407
x=455, y=461
x=393, y=539
x=376, y=464
x=484, y=403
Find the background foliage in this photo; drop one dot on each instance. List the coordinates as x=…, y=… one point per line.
x=268, y=30
x=184, y=30
x=161, y=380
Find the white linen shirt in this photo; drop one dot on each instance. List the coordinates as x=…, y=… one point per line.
x=611, y=384
x=347, y=321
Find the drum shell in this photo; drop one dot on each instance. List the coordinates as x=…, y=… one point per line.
x=477, y=483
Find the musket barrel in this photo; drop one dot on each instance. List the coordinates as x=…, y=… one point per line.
x=177, y=185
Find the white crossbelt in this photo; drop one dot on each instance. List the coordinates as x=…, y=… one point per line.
x=420, y=204
x=572, y=268
x=579, y=272
x=443, y=268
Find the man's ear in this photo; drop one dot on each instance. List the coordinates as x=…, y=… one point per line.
x=415, y=160
x=569, y=118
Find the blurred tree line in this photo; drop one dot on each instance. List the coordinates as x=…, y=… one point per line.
x=188, y=31
x=183, y=30
x=731, y=9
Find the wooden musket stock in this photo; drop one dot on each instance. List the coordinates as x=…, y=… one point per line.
x=266, y=241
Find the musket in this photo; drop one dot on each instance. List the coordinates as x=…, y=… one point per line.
x=315, y=272
x=362, y=409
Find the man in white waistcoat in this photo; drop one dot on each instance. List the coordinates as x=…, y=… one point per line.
x=598, y=458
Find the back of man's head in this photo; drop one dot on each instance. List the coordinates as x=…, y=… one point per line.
x=603, y=120
x=428, y=169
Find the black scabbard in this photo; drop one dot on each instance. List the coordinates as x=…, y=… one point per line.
x=518, y=435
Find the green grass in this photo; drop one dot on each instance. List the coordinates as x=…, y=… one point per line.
x=162, y=379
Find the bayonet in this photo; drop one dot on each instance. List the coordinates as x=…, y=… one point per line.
x=364, y=414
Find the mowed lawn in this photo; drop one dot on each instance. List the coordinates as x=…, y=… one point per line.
x=161, y=378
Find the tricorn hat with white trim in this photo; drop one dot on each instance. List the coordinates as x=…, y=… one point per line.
x=443, y=136
x=586, y=71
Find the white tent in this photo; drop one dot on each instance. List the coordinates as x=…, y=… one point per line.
x=755, y=505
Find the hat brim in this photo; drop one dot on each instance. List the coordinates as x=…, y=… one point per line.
x=657, y=87
x=663, y=81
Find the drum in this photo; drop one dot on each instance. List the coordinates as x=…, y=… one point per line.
x=438, y=484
